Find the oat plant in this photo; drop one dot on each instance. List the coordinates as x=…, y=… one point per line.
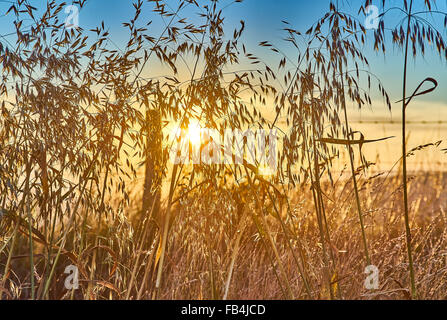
x=417, y=30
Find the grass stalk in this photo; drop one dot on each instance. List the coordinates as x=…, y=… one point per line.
x=404, y=159
x=354, y=179
x=270, y=238
x=240, y=232
x=165, y=231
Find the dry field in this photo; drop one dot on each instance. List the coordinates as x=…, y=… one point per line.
x=93, y=207
x=215, y=244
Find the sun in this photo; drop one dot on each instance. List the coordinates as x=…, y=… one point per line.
x=266, y=171
x=194, y=133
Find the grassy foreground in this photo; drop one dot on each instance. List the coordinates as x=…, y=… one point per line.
x=215, y=249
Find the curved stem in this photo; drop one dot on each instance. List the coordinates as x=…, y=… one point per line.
x=404, y=160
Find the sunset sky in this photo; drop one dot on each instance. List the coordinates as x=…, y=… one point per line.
x=263, y=23
x=234, y=150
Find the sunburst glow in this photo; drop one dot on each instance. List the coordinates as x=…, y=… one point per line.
x=194, y=133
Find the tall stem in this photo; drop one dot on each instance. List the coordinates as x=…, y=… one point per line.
x=354, y=179
x=404, y=159
x=30, y=221
x=164, y=238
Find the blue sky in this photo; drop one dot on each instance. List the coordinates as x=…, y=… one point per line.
x=263, y=22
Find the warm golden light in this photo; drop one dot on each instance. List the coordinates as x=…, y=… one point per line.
x=194, y=133
x=265, y=171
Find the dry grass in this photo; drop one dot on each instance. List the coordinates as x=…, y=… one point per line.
x=206, y=226
x=84, y=117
